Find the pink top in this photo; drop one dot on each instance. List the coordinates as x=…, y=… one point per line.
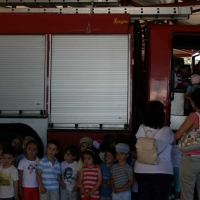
x=195, y=125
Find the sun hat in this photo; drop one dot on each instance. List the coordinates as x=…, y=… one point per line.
x=122, y=147
x=86, y=140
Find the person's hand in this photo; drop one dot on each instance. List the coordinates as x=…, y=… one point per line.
x=117, y=190
x=74, y=189
x=43, y=190
x=90, y=192
x=104, y=184
x=62, y=184
x=21, y=191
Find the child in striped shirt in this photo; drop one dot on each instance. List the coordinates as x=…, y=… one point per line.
x=48, y=173
x=90, y=176
x=121, y=174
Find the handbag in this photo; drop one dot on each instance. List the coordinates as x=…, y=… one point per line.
x=190, y=141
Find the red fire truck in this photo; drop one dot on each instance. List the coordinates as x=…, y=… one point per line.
x=68, y=75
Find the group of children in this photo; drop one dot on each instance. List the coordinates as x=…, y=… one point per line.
x=47, y=179
x=88, y=179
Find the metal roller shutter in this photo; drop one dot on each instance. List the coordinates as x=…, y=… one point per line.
x=90, y=80
x=22, y=65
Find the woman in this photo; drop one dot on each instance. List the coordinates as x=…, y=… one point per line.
x=189, y=170
x=195, y=80
x=154, y=181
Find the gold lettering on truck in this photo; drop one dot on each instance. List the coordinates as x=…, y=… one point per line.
x=118, y=21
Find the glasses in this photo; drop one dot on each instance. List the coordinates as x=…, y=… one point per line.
x=107, y=156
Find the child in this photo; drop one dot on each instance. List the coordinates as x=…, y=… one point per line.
x=176, y=159
x=48, y=172
x=108, y=141
x=69, y=174
x=85, y=142
x=2, y=146
x=105, y=189
x=90, y=176
x=17, y=144
x=8, y=175
x=28, y=185
x=121, y=174
x=23, y=155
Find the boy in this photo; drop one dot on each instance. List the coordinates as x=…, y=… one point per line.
x=23, y=155
x=28, y=185
x=121, y=174
x=69, y=181
x=105, y=188
x=8, y=175
x=48, y=173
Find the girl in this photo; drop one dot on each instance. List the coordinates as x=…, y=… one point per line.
x=189, y=171
x=90, y=176
x=28, y=186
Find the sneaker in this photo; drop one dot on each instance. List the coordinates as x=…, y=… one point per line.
x=170, y=197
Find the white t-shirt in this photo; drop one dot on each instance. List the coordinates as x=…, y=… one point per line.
x=164, y=138
x=29, y=172
x=69, y=174
x=176, y=156
x=7, y=177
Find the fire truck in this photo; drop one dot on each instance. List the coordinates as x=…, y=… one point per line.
x=73, y=72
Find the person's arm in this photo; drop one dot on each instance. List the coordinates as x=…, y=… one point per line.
x=20, y=182
x=187, y=124
x=62, y=184
x=129, y=183
x=112, y=183
x=39, y=180
x=80, y=180
x=74, y=189
x=15, y=185
x=97, y=184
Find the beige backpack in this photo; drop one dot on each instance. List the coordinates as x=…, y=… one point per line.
x=147, y=149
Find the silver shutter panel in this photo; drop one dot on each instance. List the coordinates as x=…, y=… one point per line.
x=22, y=64
x=89, y=82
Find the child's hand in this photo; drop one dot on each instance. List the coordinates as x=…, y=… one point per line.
x=90, y=192
x=103, y=184
x=117, y=190
x=62, y=184
x=20, y=191
x=43, y=190
x=74, y=189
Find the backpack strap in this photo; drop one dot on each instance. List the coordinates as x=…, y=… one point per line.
x=151, y=132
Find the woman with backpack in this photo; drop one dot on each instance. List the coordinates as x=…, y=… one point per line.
x=154, y=178
x=189, y=170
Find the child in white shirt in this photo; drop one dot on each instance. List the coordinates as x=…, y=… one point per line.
x=28, y=185
x=8, y=175
x=69, y=181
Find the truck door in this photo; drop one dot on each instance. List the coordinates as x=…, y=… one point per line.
x=162, y=40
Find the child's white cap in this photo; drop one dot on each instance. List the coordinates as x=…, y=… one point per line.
x=122, y=147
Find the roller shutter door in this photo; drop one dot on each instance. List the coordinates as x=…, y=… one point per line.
x=90, y=80
x=22, y=64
